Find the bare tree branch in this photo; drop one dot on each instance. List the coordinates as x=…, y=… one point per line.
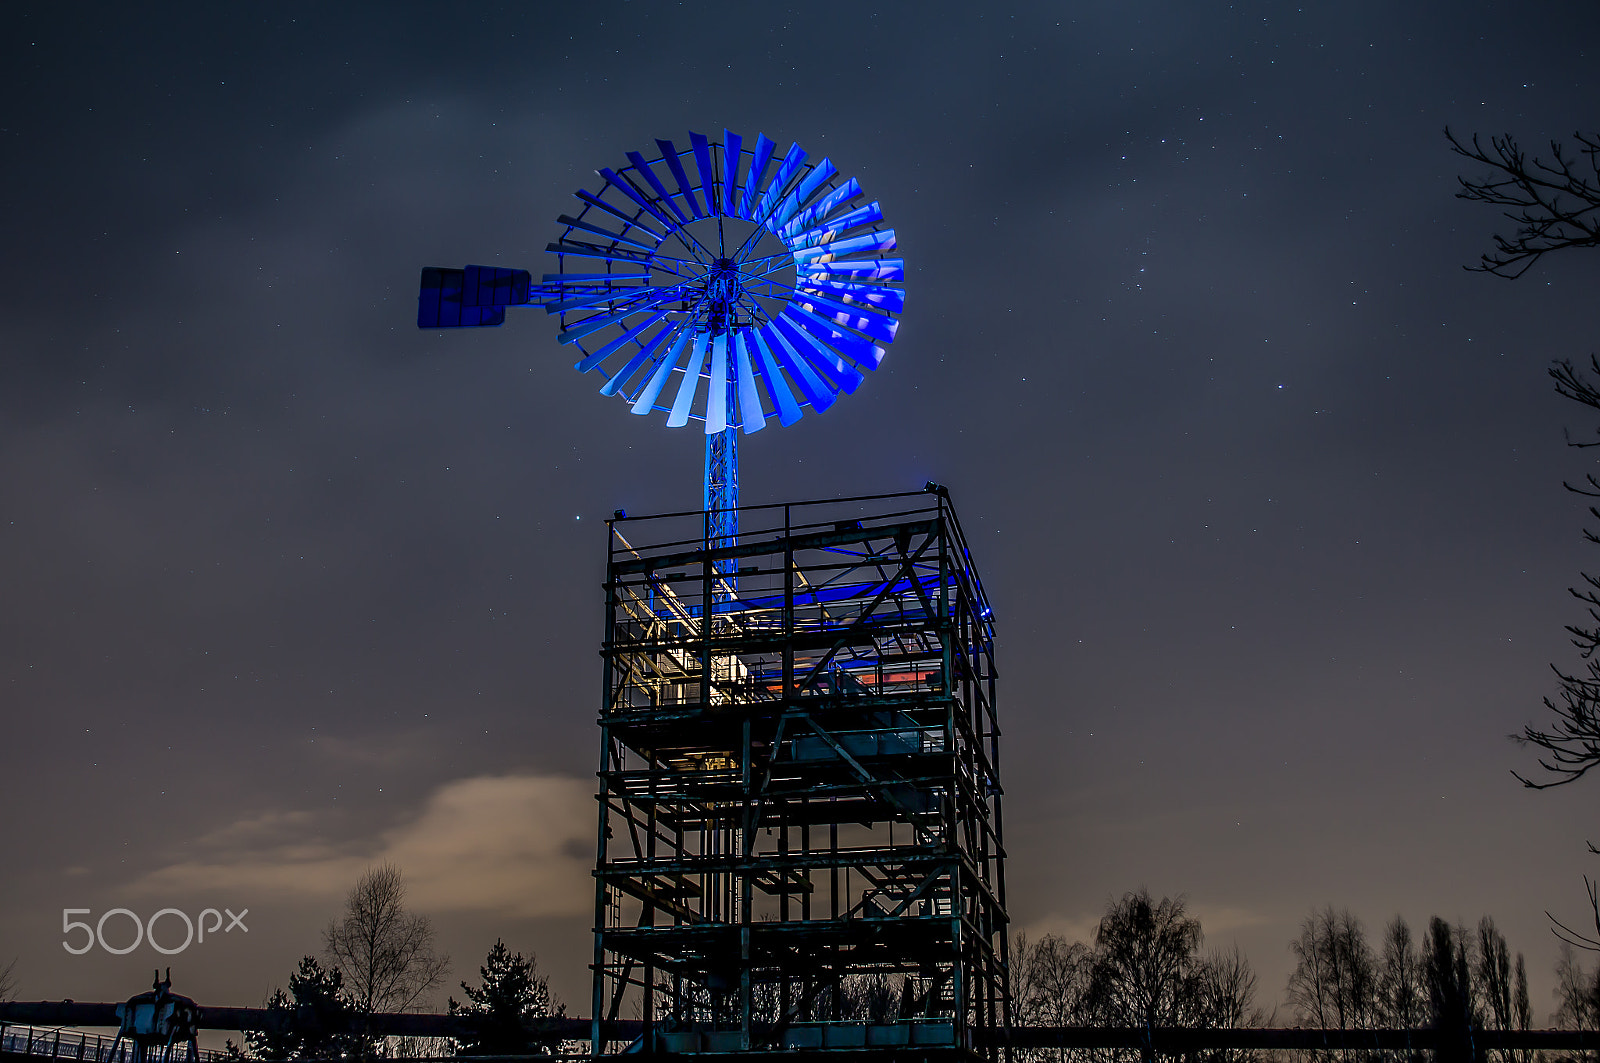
x=1573, y=937
x=1554, y=204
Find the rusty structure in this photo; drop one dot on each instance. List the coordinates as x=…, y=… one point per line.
x=800, y=804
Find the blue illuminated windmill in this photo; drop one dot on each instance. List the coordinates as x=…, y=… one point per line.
x=720, y=284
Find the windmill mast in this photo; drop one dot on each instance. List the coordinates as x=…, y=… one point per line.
x=724, y=291
x=799, y=789
x=722, y=499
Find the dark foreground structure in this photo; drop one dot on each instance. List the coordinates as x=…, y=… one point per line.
x=800, y=828
x=33, y=1043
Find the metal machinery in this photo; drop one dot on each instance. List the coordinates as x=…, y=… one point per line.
x=800, y=805
x=800, y=833
x=156, y=1022
x=757, y=273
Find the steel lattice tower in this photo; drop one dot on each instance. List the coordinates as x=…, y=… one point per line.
x=800, y=832
x=800, y=836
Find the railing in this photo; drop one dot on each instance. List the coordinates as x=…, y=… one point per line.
x=55, y=1043
x=52, y=1043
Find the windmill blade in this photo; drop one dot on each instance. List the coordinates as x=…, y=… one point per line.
x=607, y=233
x=782, y=398
x=780, y=181
x=883, y=269
x=710, y=183
x=823, y=207
x=749, y=394
x=849, y=245
x=643, y=167
x=574, y=333
x=691, y=380
x=802, y=194
x=860, y=351
x=758, y=171
x=595, y=201
x=638, y=197
x=717, y=398
x=732, y=145
x=658, y=313
x=590, y=251
x=669, y=155
x=652, y=389
x=624, y=374
x=876, y=325
x=889, y=300
x=866, y=215
x=830, y=363
x=818, y=390
x=617, y=344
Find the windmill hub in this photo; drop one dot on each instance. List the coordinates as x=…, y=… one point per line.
x=723, y=291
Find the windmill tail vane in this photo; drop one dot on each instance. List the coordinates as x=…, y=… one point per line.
x=760, y=274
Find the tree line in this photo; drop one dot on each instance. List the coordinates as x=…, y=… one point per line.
x=379, y=958
x=1147, y=967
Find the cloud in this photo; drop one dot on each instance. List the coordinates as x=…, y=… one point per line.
x=1222, y=919
x=1072, y=928
x=519, y=845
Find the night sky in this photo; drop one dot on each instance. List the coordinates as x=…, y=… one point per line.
x=1265, y=488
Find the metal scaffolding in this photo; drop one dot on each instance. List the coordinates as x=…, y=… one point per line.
x=800, y=834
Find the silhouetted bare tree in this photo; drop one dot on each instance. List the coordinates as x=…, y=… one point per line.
x=1452, y=1002
x=1554, y=204
x=1578, y=1000
x=1223, y=991
x=1335, y=980
x=1147, y=970
x=1146, y=952
x=385, y=953
x=1577, y=993
x=1144, y=970
x=1571, y=745
x=1050, y=987
x=1523, y=1005
x=872, y=997
x=1402, y=997
x=1495, y=991
x=8, y=981
x=1050, y=981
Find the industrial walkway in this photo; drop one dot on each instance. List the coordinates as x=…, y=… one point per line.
x=35, y=1042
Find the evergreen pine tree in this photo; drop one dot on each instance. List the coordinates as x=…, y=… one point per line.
x=496, y=1014
x=310, y=1021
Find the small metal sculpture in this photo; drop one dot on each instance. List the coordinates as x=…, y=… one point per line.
x=156, y=1021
